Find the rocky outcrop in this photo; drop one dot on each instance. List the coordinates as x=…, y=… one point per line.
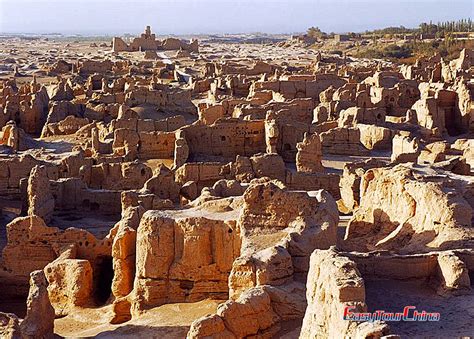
x=40, y=198
x=123, y=253
x=408, y=209
x=342, y=140
x=183, y=257
x=405, y=149
x=9, y=326
x=351, y=179
x=334, y=283
x=260, y=165
x=453, y=273
x=67, y=126
x=279, y=229
x=375, y=137
x=70, y=281
x=296, y=223
x=39, y=320
x=24, y=252
x=434, y=152
x=181, y=150
x=250, y=315
x=70, y=259
x=309, y=156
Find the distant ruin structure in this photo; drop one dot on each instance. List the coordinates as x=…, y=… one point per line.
x=147, y=42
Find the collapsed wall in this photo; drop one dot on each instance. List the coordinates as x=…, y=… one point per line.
x=342, y=283
x=183, y=257
x=39, y=318
x=280, y=229
x=66, y=256
x=226, y=138
x=411, y=209
x=334, y=284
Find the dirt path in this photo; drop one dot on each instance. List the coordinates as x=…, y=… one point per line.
x=167, y=321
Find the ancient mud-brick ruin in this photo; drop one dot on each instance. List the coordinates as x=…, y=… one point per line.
x=148, y=42
x=229, y=191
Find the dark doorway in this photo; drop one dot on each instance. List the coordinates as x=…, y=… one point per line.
x=451, y=122
x=103, y=275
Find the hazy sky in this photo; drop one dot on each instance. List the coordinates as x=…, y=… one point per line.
x=221, y=16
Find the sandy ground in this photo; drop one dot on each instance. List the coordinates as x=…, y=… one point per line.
x=267, y=52
x=33, y=56
x=457, y=312
x=167, y=321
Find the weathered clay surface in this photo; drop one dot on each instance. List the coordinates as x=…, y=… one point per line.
x=235, y=186
x=410, y=209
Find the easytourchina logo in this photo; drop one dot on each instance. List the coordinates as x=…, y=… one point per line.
x=409, y=313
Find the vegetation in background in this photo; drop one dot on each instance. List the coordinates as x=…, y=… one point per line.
x=445, y=41
x=316, y=33
x=442, y=28
x=448, y=48
x=387, y=52
x=439, y=30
